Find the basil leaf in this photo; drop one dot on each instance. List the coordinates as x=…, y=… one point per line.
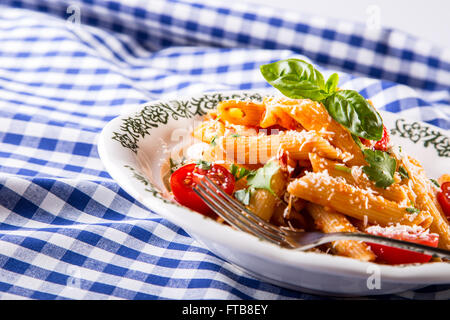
x=352, y=110
x=213, y=141
x=403, y=173
x=412, y=210
x=233, y=169
x=435, y=183
x=239, y=172
x=243, y=173
x=332, y=83
x=298, y=79
x=202, y=164
x=381, y=167
x=173, y=165
x=295, y=79
x=358, y=142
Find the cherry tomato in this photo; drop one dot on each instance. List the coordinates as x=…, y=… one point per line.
x=382, y=144
x=443, y=197
x=185, y=178
x=393, y=255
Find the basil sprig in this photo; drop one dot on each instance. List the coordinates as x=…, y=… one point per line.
x=298, y=79
x=240, y=172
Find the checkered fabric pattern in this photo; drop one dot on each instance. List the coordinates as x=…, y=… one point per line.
x=67, y=230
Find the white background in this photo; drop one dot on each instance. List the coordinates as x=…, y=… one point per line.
x=426, y=19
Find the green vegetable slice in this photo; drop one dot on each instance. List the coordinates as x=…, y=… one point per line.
x=259, y=179
x=243, y=196
x=262, y=178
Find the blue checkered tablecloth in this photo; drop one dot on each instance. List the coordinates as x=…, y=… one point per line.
x=67, y=230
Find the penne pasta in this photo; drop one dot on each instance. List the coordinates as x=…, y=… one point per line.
x=314, y=117
x=320, y=188
x=356, y=177
x=331, y=221
x=425, y=200
x=241, y=112
x=277, y=115
x=263, y=202
x=288, y=214
x=259, y=149
x=209, y=130
x=218, y=155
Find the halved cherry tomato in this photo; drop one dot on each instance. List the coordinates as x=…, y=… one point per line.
x=382, y=144
x=393, y=255
x=443, y=197
x=185, y=178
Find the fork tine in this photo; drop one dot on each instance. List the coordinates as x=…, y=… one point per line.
x=234, y=218
x=242, y=208
x=237, y=212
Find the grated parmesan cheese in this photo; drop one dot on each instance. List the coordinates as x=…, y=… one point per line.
x=399, y=230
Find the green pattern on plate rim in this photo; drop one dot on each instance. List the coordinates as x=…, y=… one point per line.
x=153, y=115
x=418, y=132
x=149, y=187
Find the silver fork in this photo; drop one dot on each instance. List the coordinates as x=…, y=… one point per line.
x=238, y=216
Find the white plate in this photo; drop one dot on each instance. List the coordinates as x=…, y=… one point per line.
x=149, y=130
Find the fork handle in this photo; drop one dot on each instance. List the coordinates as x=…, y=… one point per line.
x=435, y=252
